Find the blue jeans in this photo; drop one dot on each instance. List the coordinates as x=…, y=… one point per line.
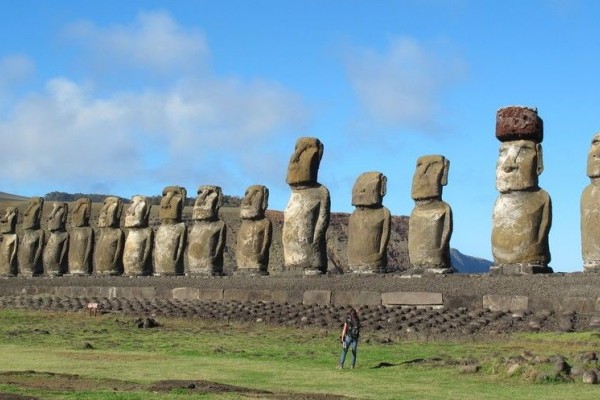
x=349, y=342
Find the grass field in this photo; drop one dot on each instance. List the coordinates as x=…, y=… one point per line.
x=73, y=356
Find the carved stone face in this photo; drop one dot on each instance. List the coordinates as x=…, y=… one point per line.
x=518, y=166
x=431, y=174
x=304, y=163
x=256, y=201
x=171, y=204
x=8, y=222
x=593, y=160
x=207, y=203
x=369, y=189
x=33, y=213
x=138, y=212
x=110, y=214
x=58, y=216
x=80, y=216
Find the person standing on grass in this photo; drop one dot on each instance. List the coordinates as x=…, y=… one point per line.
x=349, y=337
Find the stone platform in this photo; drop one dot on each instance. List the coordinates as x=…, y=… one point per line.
x=554, y=292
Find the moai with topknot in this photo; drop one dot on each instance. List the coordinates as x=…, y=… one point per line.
x=81, y=238
x=169, y=241
x=32, y=241
x=590, y=211
x=522, y=212
x=56, y=250
x=306, y=217
x=206, y=240
x=9, y=243
x=138, y=245
x=108, y=254
x=430, y=223
x=255, y=234
x=369, y=225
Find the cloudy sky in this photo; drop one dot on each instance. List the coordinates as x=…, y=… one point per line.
x=126, y=97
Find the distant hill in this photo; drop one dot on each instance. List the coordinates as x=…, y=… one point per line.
x=469, y=264
x=11, y=197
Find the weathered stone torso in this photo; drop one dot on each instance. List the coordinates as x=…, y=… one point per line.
x=368, y=237
x=81, y=243
x=30, y=252
x=429, y=231
x=138, y=248
x=521, y=222
x=253, y=243
x=205, y=248
x=55, y=253
x=169, y=243
x=306, y=219
x=109, y=251
x=8, y=254
x=590, y=228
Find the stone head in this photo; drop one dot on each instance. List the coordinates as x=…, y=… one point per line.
x=33, y=213
x=110, y=213
x=593, y=160
x=137, y=213
x=369, y=189
x=58, y=216
x=304, y=163
x=255, y=203
x=519, y=165
x=431, y=175
x=207, y=203
x=80, y=215
x=172, y=203
x=8, y=222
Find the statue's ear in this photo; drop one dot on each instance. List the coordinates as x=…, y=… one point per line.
x=219, y=197
x=444, y=180
x=383, y=185
x=148, y=208
x=265, y=203
x=321, y=149
x=540, y=158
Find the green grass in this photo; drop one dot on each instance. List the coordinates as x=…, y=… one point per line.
x=281, y=360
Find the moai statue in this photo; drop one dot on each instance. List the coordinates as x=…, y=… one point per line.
x=306, y=217
x=32, y=241
x=55, y=252
x=109, y=248
x=138, y=245
x=81, y=238
x=9, y=242
x=522, y=213
x=169, y=241
x=430, y=223
x=207, y=236
x=369, y=225
x=255, y=234
x=590, y=211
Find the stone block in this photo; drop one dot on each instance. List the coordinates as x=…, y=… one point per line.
x=211, y=294
x=321, y=297
x=287, y=296
x=412, y=298
x=581, y=305
x=131, y=292
x=186, y=293
x=356, y=298
x=505, y=303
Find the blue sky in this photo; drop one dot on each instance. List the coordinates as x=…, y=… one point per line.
x=126, y=97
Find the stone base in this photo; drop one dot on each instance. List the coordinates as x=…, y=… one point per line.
x=167, y=274
x=207, y=272
x=77, y=273
x=429, y=270
x=299, y=271
x=592, y=267
x=250, y=272
x=368, y=269
x=519, y=269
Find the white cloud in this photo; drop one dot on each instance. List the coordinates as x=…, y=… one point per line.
x=197, y=128
x=402, y=86
x=154, y=41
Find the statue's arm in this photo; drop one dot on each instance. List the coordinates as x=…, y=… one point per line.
x=88, y=248
x=181, y=244
x=546, y=221
x=64, y=251
x=323, y=218
x=221, y=241
x=40, y=248
x=119, y=252
x=447, y=229
x=267, y=238
x=148, y=247
x=13, y=253
x=385, y=234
